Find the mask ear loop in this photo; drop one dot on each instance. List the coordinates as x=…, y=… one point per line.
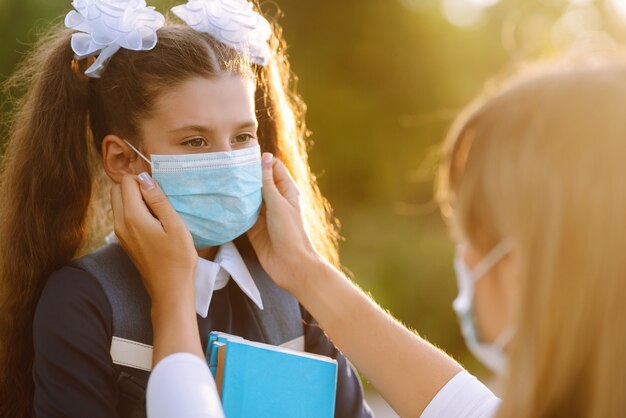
x=491, y=259
x=479, y=271
x=138, y=152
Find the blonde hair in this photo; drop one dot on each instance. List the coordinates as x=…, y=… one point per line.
x=542, y=161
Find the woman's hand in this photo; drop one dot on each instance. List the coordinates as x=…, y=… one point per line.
x=154, y=236
x=161, y=247
x=279, y=237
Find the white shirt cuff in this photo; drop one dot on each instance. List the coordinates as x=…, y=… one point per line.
x=181, y=385
x=463, y=396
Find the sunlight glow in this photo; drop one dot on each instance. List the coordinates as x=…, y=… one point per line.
x=466, y=13
x=619, y=6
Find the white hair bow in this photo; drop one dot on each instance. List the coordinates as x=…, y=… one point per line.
x=105, y=26
x=233, y=22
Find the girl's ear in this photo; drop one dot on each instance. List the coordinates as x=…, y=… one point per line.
x=118, y=159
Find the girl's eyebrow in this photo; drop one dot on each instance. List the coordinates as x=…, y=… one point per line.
x=252, y=123
x=187, y=128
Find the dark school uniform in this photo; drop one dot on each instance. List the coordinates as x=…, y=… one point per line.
x=73, y=371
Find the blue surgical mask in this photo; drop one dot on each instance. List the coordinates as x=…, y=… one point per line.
x=491, y=354
x=217, y=194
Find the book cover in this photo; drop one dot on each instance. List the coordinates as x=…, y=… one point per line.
x=261, y=380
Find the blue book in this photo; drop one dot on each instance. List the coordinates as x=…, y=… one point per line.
x=262, y=381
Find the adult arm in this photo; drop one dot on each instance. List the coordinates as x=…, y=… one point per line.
x=406, y=369
x=350, y=400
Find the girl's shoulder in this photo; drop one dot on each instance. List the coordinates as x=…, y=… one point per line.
x=72, y=298
x=72, y=367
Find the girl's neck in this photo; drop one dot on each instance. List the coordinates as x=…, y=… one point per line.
x=208, y=253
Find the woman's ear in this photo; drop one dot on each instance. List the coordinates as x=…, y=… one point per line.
x=119, y=159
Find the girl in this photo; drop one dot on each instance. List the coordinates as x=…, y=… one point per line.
x=120, y=94
x=531, y=182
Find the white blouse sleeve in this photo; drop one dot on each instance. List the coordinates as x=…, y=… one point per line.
x=181, y=385
x=463, y=396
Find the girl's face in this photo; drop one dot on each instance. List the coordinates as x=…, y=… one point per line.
x=201, y=115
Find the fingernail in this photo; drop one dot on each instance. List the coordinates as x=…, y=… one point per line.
x=267, y=158
x=146, y=181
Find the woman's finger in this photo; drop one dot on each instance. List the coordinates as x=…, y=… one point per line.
x=277, y=182
x=285, y=183
x=136, y=213
x=157, y=202
x=270, y=192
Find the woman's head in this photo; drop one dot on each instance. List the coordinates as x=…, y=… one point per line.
x=190, y=87
x=540, y=162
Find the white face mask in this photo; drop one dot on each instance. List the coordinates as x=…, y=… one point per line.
x=491, y=354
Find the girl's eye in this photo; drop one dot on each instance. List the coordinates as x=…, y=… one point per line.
x=195, y=142
x=243, y=139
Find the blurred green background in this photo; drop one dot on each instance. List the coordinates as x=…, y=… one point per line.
x=383, y=79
